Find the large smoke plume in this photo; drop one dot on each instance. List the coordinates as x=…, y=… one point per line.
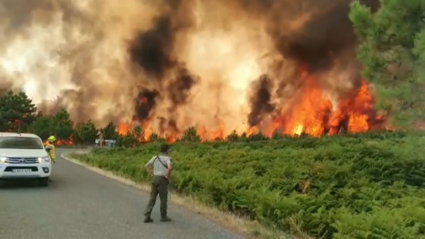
x=176, y=63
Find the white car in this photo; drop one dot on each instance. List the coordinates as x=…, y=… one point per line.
x=23, y=156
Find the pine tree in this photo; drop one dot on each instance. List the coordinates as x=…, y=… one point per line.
x=391, y=52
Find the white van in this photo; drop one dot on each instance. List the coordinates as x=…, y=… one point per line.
x=23, y=156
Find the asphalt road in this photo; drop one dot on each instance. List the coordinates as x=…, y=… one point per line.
x=82, y=204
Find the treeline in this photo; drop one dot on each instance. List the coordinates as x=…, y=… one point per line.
x=19, y=114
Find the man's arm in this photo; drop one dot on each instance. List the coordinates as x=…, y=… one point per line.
x=148, y=166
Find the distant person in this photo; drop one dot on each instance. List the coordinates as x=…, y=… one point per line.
x=162, y=167
x=50, y=148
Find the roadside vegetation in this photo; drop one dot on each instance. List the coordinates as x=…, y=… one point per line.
x=353, y=186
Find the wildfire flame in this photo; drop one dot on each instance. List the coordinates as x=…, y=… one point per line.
x=313, y=114
x=168, y=66
x=67, y=142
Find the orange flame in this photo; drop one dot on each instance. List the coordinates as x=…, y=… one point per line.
x=310, y=113
x=65, y=142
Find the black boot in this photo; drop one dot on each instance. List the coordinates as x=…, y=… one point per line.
x=148, y=219
x=165, y=219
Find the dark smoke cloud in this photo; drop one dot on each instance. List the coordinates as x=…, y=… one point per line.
x=261, y=104
x=153, y=51
x=325, y=35
x=309, y=33
x=145, y=102
x=180, y=87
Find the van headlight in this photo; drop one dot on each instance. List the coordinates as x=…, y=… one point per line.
x=43, y=159
x=3, y=159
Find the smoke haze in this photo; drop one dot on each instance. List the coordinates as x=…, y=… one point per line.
x=177, y=63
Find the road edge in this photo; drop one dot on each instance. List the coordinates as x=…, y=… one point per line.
x=251, y=229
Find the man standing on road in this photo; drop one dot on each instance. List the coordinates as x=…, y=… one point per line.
x=162, y=168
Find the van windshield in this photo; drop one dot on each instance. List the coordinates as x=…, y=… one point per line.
x=20, y=143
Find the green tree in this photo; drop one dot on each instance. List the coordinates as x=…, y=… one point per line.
x=16, y=108
x=63, y=125
x=127, y=140
x=110, y=131
x=419, y=52
x=233, y=136
x=277, y=134
x=391, y=51
x=153, y=137
x=138, y=132
x=60, y=125
x=86, y=133
x=42, y=126
x=191, y=135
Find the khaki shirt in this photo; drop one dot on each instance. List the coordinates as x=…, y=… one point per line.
x=158, y=168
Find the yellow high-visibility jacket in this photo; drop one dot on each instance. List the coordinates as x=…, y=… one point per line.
x=52, y=151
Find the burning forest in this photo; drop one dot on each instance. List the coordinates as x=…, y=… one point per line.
x=258, y=66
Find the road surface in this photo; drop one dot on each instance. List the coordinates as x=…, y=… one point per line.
x=80, y=204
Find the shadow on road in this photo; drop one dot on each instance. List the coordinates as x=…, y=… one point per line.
x=19, y=184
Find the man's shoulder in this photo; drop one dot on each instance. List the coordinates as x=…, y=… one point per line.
x=165, y=157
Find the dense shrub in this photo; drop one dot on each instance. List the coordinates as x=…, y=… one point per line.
x=354, y=186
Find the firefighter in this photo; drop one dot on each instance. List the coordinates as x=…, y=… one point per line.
x=50, y=147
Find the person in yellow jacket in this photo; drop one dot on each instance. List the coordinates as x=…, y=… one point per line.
x=50, y=147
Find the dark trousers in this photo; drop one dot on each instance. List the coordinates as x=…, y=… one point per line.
x=159, y=186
